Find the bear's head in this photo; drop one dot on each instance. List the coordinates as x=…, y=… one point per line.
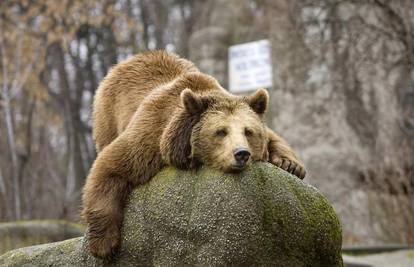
x=218, y=130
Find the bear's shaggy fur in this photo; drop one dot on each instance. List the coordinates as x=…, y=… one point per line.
x=157, y=109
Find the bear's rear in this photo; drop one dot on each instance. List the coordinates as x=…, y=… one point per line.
x=125, y=87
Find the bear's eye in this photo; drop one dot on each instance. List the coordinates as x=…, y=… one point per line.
x=221, y=132
x=248, y=132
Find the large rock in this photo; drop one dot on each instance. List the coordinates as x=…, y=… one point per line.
x=263, y=216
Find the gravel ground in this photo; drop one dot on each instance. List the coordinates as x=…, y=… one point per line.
x=402, y=258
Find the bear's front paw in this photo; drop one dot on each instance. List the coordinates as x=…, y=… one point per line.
x=104, y=246
x=290, y=165
x=103, y=234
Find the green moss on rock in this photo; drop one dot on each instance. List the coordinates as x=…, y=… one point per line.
x=261, y=217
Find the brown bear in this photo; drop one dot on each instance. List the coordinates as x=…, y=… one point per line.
x=157, y=109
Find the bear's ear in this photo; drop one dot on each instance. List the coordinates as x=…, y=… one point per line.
x=192, y=103
x=259, y=101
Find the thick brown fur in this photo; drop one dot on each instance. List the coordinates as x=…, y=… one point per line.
x=157, y=109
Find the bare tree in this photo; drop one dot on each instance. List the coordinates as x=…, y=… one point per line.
x=15, y=73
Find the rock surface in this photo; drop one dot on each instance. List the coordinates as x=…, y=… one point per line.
x=263, y=216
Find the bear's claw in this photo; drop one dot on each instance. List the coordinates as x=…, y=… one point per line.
x=291, y=166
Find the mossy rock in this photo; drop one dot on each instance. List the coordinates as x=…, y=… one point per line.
x=19, y=234
x=261, y=217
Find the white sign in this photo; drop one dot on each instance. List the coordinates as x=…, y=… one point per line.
x=250, y=66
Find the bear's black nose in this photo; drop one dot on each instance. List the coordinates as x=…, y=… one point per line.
x=242, y=156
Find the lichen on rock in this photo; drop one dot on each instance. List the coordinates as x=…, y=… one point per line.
x=260, y=217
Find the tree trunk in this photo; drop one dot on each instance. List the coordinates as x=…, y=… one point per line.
x=73, y=119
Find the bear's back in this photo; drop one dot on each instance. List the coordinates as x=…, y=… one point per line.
x=126, y=86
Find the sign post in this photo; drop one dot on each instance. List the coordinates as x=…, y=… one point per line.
x=250, y=66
